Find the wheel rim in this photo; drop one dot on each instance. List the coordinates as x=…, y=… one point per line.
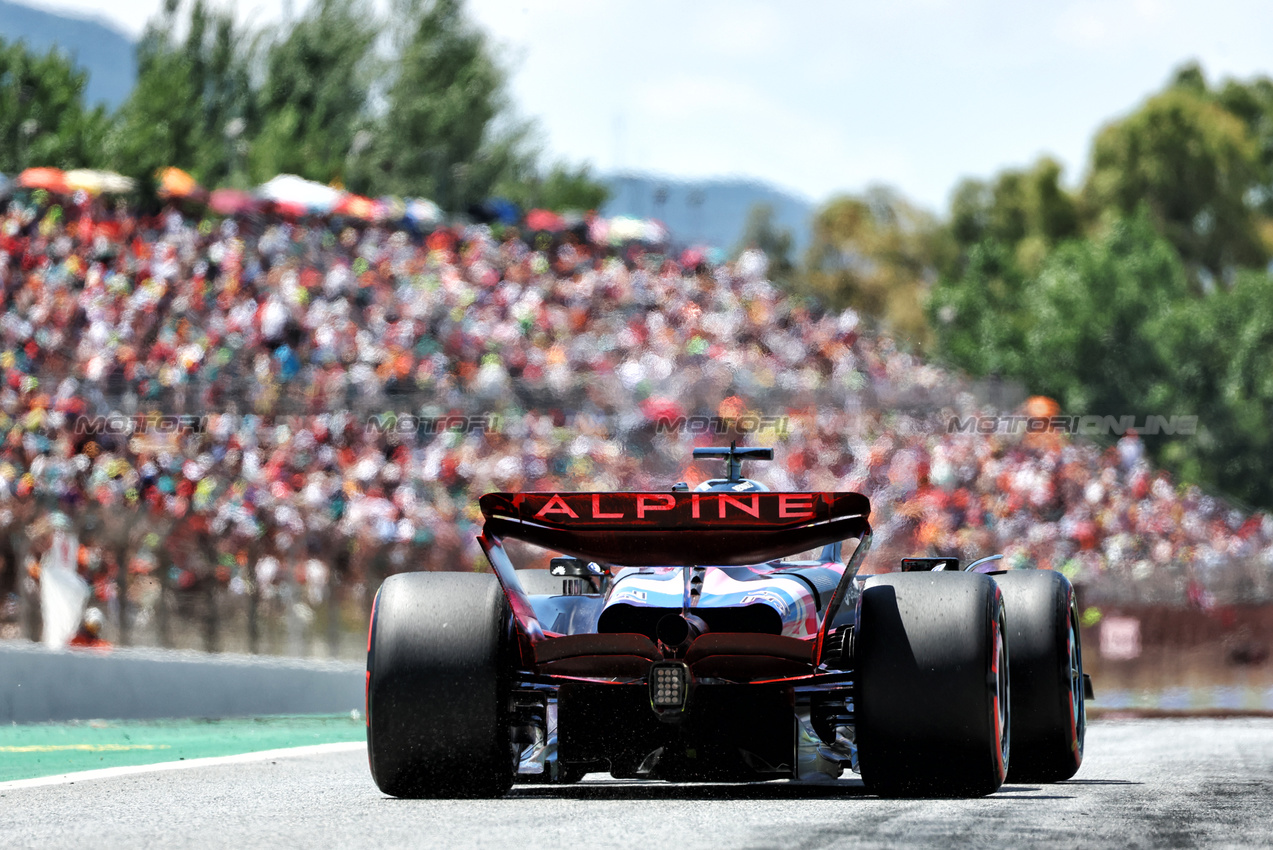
x=1001, y=695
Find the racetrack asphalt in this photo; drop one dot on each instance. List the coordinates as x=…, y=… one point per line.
x=1144, y=783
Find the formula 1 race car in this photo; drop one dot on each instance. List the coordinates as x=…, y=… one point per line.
x=683, y=636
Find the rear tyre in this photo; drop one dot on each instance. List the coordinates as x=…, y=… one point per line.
x=438, y=665
x=931, y=703
x=1049, y=718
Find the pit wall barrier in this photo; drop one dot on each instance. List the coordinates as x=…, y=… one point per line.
x=1217, y=658
x=39, y=685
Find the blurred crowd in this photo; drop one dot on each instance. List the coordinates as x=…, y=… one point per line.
x=355, y=388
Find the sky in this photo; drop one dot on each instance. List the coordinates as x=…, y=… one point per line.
x=820, y=98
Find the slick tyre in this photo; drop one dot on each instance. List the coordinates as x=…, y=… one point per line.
x=1049, y=717
x=438, y=664
x=932, y=696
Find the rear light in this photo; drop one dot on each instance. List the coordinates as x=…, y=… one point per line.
x=669, y=685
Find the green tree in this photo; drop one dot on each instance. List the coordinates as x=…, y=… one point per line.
x=1028, y=211
x=563, y=188
x=1103, y=304
x=1222, y=346
x=1252, y=103
x=979, y=317
x=1193, y=163
x=446, y=131
x=1095, y=313
x=878, y=254
x=189, y=93
x=1110, y=325
x=1239, y=458
x=1089, y=329
x=760, y=231
x=315, y=93
x=43, y=121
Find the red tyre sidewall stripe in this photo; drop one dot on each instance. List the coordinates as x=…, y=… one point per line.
x=371, y=626
x=996, y=647
x=371, y=632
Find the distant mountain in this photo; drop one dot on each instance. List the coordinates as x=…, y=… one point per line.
x=99, y=48
x=706, y=211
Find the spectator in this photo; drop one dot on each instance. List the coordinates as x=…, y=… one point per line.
x=572, y=358
x=89, y=634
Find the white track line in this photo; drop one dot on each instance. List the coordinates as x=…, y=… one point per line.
x=211, y=761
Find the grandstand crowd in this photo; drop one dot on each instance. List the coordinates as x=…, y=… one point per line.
x=580, y=365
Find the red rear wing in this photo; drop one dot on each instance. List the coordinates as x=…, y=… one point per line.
x=677, y=529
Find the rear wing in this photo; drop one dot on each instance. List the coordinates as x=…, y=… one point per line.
x=676, y=529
